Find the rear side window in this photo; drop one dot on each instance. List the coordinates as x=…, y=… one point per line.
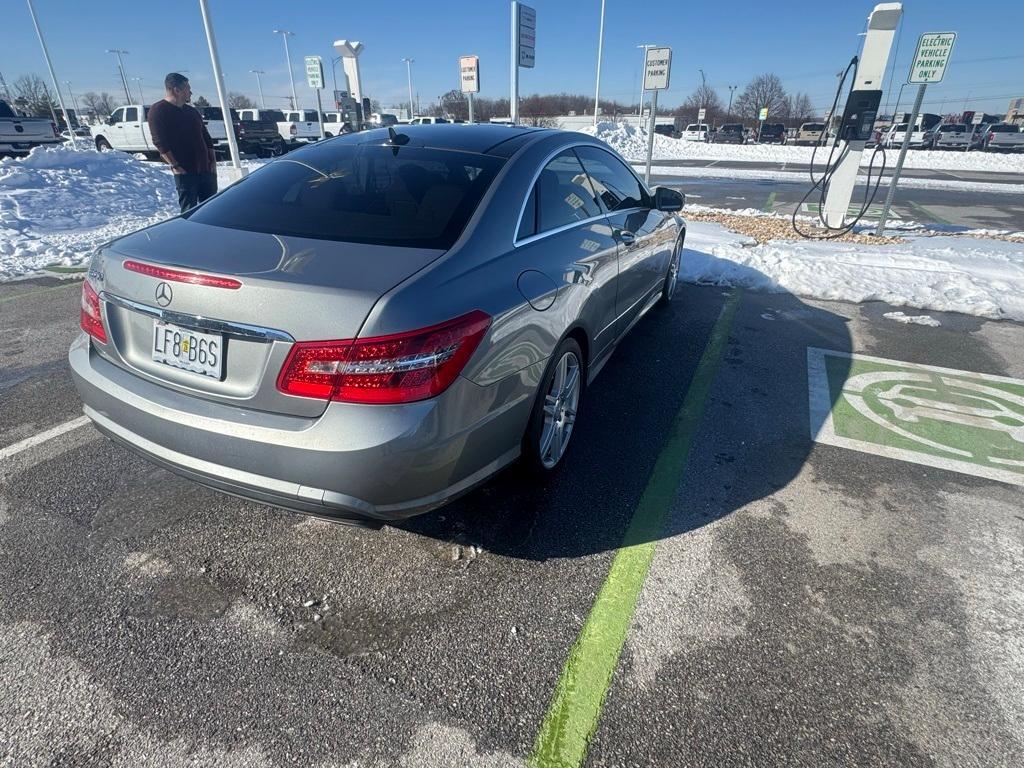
x=561, y=196
x=131, y=114
x=617, y=187
x=1004, y=128
x=359, y=193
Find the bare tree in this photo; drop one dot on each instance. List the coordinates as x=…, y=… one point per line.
x=239, y=101
x=763, y=91
x=800, y=108
x=200, y=101
x=100, y=104
x=32, y=97
x=454, y=105
x=704, y=97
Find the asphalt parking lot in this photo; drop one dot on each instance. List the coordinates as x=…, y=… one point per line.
x=703, y=585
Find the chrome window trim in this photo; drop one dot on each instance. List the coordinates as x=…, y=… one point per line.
x=565, y=227
x=213, y=325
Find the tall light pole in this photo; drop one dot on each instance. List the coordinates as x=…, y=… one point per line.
x=218, y=78
x=120, y=68
x=703, y=90
x=643, y=91
x=288, y=60
x=600, y=45
x=408, y=72
x=728, y=112
x=334, y=77
x=78, y=115
x=142, y=98
x=259, y=86
x=49, y=66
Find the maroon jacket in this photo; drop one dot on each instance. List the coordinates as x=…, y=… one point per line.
x=181, y=132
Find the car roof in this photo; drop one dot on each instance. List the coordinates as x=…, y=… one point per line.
x=487, y=138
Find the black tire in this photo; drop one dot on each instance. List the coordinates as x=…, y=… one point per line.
x=533, y=460
x=103, y=145
x=328, y=135
x=668, y=288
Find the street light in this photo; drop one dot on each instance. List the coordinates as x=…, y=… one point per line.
x=142, y=98
x=259, y=86
x=729, y=110
x=53, y=77
x=73, y=99
x=334, y=77
x=600, y=44
x=408, y=72
x=703, y=89
x=218, y=79
x=643, y=91
x=120, y=68
x=288, y=59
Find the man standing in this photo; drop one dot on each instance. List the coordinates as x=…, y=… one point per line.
x=184, y=143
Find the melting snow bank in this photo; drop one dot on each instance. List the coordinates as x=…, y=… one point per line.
x=632, y=144
x=944, y=274
x=58, y=204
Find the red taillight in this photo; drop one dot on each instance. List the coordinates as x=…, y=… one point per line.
x=400, y=368
x=991, y=135
x=56, y=132
x=91, y=318
x=180, y=276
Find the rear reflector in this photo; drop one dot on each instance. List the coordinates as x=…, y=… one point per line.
x=400, y=368
x=180, y=276
x=91, y=318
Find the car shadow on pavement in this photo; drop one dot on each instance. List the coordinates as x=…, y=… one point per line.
x=758, y=398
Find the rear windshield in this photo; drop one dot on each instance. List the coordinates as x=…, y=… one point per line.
x=953, y=129
x=274, y=115
x=1004, y=128
x=732, y=127
x=901, y=128
x=812, y=127
x=214, y=113
x=693, y=127
x=359, y=193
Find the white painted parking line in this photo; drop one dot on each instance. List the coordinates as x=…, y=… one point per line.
x=42, y=437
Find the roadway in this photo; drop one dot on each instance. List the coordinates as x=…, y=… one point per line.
x=806, y=603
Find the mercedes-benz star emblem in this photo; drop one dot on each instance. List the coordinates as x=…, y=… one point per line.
x=163, y=294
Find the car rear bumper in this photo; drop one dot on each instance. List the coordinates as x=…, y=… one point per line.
x=355, y=463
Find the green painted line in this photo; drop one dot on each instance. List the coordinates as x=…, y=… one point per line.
x=39, y=292
x=579, y=696
x=769, y=203
x=929, y=213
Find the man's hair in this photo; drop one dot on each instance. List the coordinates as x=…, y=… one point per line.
x=175, y=80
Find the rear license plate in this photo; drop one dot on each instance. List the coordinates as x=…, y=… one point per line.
x=187, y=349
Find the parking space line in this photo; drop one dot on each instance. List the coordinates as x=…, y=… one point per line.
x=926, y=212
x=70, y=282
x=576, y=705
x=769, y=203
x=42, y=437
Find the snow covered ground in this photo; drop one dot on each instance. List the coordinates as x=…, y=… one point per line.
x=57, y=205
x=974, y=276
x=632, y=144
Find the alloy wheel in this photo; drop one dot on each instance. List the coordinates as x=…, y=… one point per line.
x=560, y=404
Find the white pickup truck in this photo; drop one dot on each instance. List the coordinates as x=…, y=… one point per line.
x=126, y=129
x=695, y=132
x=255, y=137
x=299, y=125
x=19, y=134
x=1004, y=137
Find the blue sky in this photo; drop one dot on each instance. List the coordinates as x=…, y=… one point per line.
x=733, y=40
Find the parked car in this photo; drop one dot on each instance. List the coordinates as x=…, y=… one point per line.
x=368, y=327
x=926, y=129
x=254, y=137
x=19, y=134
x=959, y=136
x=695, y=132
x=810, y=133
x=337, y=123
x=1004, y=137
x=126, y=130
x=428, y=121
x=772, y=133
x=666, y=129
x=730, y=133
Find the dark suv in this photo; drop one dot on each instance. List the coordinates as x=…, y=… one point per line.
x=730, y=133
x=772, y=133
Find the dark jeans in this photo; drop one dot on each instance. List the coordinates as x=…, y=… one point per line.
x=194, y=188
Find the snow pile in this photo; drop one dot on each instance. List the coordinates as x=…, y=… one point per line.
x=58, y=204
x=631, y=143
x=900, y=317
x=944, y=274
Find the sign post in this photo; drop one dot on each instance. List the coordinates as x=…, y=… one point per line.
x=762, y=116
x=929, y=66
x=975, y=122
x=657, y=68
x=524, y=42
x=701, y=114
x=469, y=77
x=315, y=79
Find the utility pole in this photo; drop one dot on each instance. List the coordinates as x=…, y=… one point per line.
x=408, y=73
x=259, y=86
x=703, y=89
x=218, y=78
x=600, y=45
x=53, y=77
x=78, y=115
x=643, y=92
x=288, y=59
x=729, y=110
x=142, y=98
x=120, y=68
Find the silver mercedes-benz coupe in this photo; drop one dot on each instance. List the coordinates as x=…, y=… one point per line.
x=370, y=326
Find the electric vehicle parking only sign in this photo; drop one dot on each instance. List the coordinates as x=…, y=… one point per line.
x=933, y=49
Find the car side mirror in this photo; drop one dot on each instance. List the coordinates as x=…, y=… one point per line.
x=110, y=121
x=668, y=200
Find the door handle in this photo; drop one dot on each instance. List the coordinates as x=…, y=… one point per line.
x=625, y=236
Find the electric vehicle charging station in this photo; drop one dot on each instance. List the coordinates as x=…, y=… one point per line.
x=859, y=115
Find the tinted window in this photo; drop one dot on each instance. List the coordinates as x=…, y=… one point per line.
x=5, y=110
x=131, y=115
x=812, y=127
x=272, y=114
x=617, y=187
x=953, y=129
x=408, y=196
x=563, y=193
x=692, y=127
x=1004, y=128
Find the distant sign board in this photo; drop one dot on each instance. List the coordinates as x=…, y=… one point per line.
x=931, y=57
x=469, y=74
x=526, y=35
x=700, y=114
x=657, y=68
x=978, y=119
x=763, y=114
x=314, y=72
